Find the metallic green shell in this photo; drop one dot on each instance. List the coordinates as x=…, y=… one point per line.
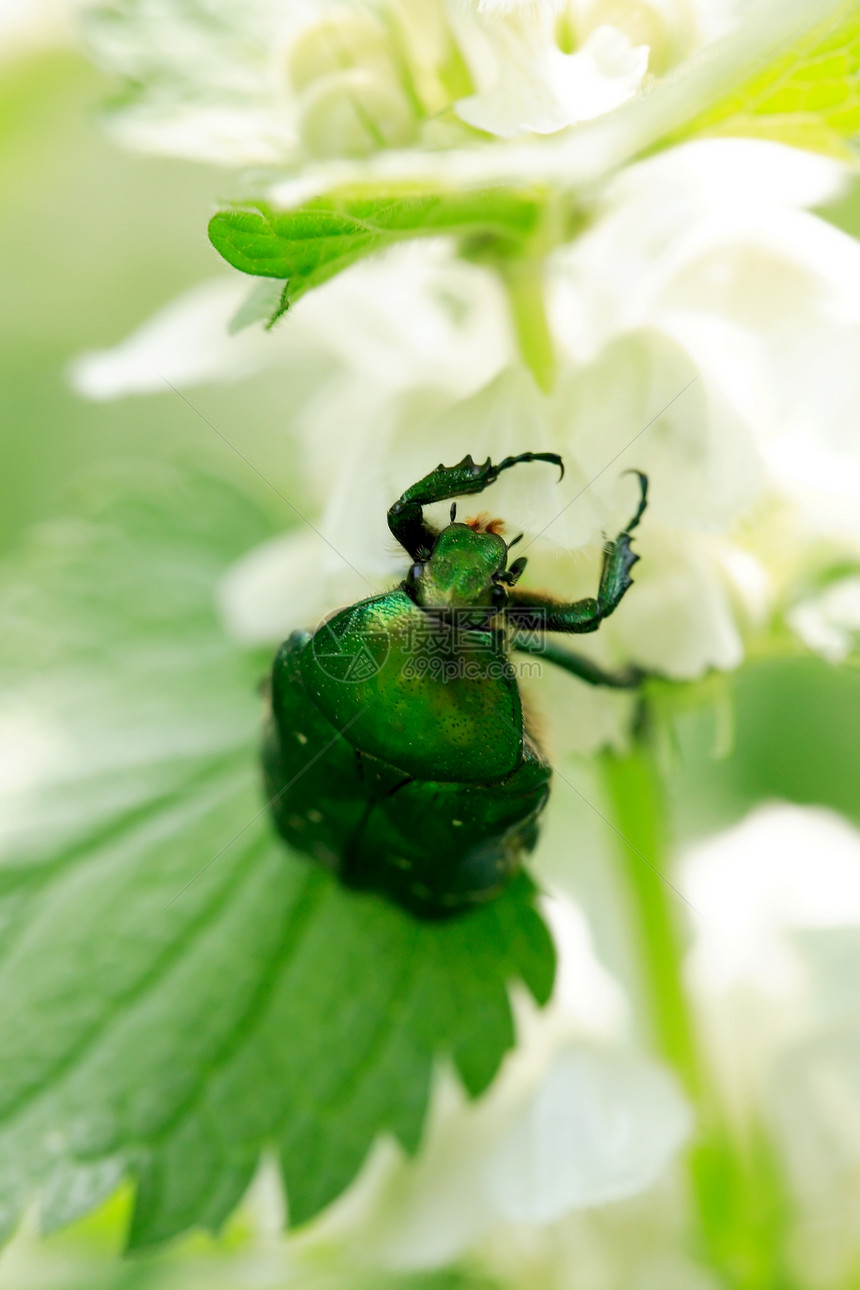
x=427, y=704
x=397, y=758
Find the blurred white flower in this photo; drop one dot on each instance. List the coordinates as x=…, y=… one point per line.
x=556, y=1158
x=774, y=970
x=526, y=84
x=575, y=1120
x=268, y=82
x=185, y=343
x=276, y=83
x=411, y=318
x=671, y=29
x=782, y=869
x=288, y=582
x=684, y=318
x=29, y=24
x=829, y=622
x=596, y=1126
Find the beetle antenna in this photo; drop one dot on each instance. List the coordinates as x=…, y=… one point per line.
x=453, y=511
x=513, y=575
x=515, y=540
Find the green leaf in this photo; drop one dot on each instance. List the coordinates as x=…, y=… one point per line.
x=808, y=95
x=262, y=305
x=177, y=991
x=316, y=241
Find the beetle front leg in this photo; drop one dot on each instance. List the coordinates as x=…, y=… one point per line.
x=406, y=517
x=534, y=612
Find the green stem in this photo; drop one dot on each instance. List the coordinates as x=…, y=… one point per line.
x=525, y=286
x=636, y=797
x=742, y=1211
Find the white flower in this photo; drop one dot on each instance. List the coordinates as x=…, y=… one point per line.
x=596, y=1130
x=674, y=316
x=671, y=29
x=595, y=1127
x=526, y=84
x=277, y=83
x=269, y=82
x=27, y=24
x=829, y=622
x=411, y=318
x=762, y=294
x=186, y=342
x=575, y=1120
x=774, y=970
x=782, y=869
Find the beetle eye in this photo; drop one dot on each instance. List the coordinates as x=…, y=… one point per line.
x=498, y=596
x=414, y=574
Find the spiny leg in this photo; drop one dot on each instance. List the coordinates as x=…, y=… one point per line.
x=626, y=678
x=406, y=519
x=534, y=612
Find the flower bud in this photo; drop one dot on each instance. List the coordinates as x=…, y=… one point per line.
x=353, y=113
x=336, y=45
x=667, y=27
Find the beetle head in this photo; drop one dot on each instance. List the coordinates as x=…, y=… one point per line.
x=467, y=569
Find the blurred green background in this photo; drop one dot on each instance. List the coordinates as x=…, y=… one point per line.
x=93, y=241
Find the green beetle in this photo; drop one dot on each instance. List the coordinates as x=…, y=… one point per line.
x=395, y=751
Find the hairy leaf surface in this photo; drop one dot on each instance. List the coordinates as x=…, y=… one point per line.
x=808, y=95
x=177, y=991
x=312, y=243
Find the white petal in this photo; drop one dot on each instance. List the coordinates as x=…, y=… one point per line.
x=752, y=887
x=706, y=246
x=670, y=28
x=825, y=484
x=288, y=583
x=694, y=229
x=460, y=1188
x=584, y=993
x=648, y=402
x=537, y=88
x=223, y=137
x=28, y=24
x=598, y=1128
x=782, y=867
x=211, y=82
x=597, y=148
x=705, y=174
x=605, y=72
x=829, y=623
x=413, y=318
x=681, y=620
x=619, y=1121
x=185, y=343
x=571, y=717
